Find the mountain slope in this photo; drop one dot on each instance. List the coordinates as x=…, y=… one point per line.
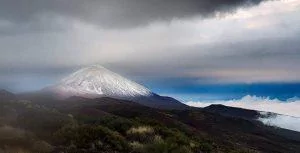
x=105, y=125
x=97, y=81
x=233, y=111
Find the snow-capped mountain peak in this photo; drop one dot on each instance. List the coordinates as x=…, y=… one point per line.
x=97, y=81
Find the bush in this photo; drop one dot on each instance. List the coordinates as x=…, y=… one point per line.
x=42, y=147
x=119, y=124
x=93, y=137
x=206, y=148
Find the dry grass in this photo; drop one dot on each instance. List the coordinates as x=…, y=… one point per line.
x=136, y=145
x=14, y=150
x=10, y=132
x=141, y=130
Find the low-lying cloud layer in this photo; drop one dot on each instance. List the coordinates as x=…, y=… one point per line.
x=290, y=109
x=283, y=121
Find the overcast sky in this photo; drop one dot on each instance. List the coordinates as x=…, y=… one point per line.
x=199, y=41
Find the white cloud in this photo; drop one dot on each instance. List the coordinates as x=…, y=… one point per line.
x=283, y=121
x=266, y=8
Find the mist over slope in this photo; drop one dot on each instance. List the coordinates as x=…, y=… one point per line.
x=287, y=112
x=289, y=107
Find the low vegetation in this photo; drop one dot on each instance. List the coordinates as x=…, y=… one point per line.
x=35, y=127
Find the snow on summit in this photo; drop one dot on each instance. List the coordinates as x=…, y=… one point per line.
x=97, y=81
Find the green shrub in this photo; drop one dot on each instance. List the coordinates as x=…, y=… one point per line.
x=119, y=124
x=206, y=148
x=42, y=147
x=95, y=137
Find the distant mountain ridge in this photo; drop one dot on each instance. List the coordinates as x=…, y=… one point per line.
x=6, y=94
x=233, y=111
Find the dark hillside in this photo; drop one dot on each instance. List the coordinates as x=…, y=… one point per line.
x=42, y=124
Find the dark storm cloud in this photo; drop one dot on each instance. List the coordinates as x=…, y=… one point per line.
x=43, y=40
x=116, y=13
